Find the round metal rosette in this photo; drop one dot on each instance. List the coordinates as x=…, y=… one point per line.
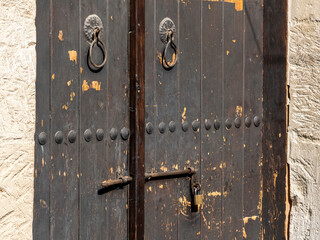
x=165, y=26
x=92, y=23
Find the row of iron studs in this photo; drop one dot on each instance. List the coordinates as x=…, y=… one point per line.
x=207, y=123
x=72, y=135
x=88, y=135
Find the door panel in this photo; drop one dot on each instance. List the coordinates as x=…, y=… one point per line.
x=217, y=81
x=104, y=106
x=82, y=101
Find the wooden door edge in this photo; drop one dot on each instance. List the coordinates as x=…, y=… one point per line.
x=274, y=129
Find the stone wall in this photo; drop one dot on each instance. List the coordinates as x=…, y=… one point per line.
x=17, y=115
x=304, y=118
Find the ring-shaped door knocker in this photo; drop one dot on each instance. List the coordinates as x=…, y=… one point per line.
x=167, y=65
x=93, y=30
x=167, y=30
x=97, y=41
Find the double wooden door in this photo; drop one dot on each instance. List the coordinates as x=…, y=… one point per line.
x=104, y=131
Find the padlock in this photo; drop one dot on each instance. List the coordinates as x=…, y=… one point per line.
x=197, y=199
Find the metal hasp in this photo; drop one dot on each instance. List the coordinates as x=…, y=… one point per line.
x=195, y=186
x=121, y=181
x=167, y=29
x=93, y=30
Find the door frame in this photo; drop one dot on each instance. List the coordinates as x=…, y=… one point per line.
x=275, y=119
x=137, y=116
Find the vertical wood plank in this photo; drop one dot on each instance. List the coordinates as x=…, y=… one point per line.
x=162, y=107
x=151, y=228
x=151, y=201
x=41, y=203
x=211, y=107
x=233, y=138
x=117, y=116
x=64, y=103
x=252, y=179
x=189, y=44
x=93, y=107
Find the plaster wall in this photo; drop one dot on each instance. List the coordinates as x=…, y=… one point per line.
x=304, y=118
x=17, y=114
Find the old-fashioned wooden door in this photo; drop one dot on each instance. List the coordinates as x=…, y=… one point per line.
x=147, y=108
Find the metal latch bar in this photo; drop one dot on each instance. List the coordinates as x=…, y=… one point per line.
x=121, y=181
x=169, y=174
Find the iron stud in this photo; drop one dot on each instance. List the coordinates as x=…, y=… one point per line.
x=88, y=135
x=216, y=124
x=58, y=137
x=124, y=133
x=256, y=121
x=72, y=136
x=207, y=124
x=149, y=128
x=172, y=126
x=113, y=133
x=247, y=122
x=237, y=122
x=99, y=134
x=228, y=124
x=42, y=138
x=185, y=126
x=162, y=127
x=195, y=125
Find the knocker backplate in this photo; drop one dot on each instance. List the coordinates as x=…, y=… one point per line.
x=91, y=23
x=164, y=27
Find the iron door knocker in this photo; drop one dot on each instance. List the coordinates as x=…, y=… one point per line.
x=167, y=30
x=93, y=30
x=97, y=40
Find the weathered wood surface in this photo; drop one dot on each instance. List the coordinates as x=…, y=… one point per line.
x=104, y=106
x=253, y=97
x=161, y=148
x=211, y=105
x=65, y=159
x=231, y=64
x=68, y=203
x=218, y=77
x=117, y=159
x=232, y=200
x=41, y=207
x=189, y=72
